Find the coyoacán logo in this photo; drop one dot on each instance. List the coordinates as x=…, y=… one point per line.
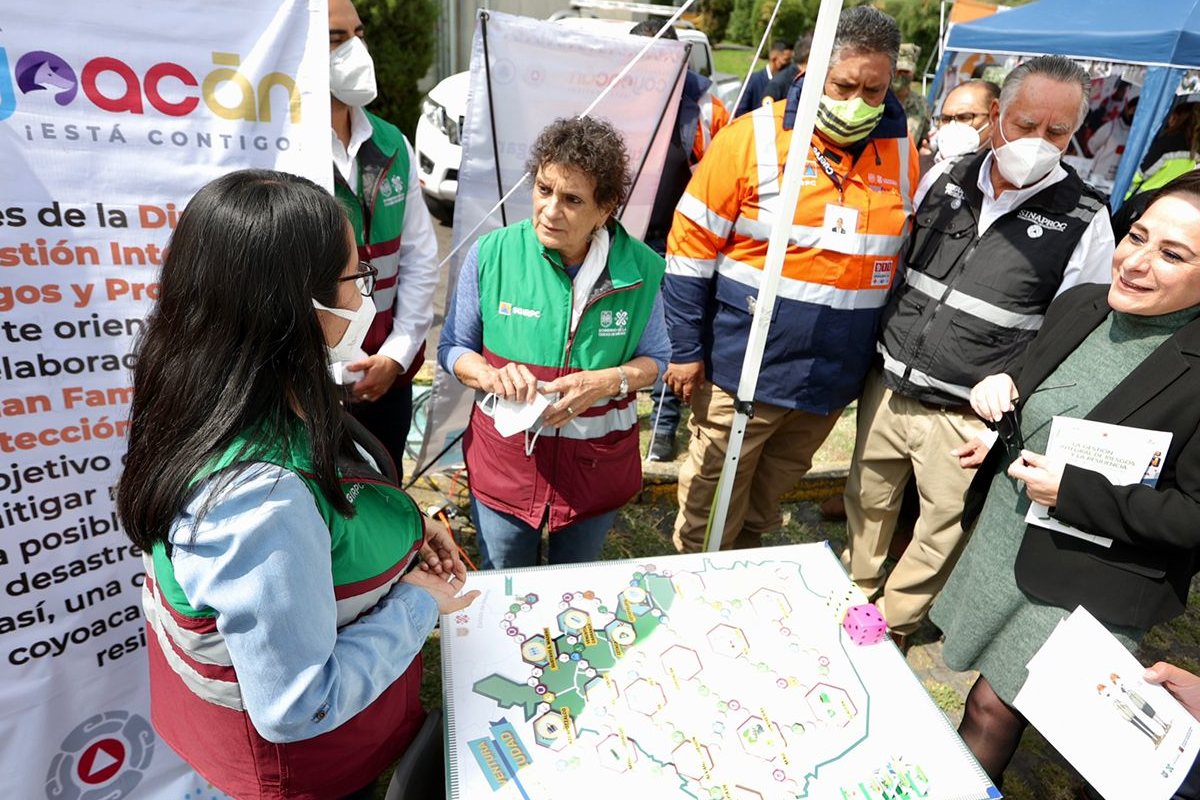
x=127, y=92
x=614, y=323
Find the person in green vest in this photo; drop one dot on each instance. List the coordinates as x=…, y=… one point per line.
x=289, y=583
x=375, y=177
x=563, y=306
x=1173, y=152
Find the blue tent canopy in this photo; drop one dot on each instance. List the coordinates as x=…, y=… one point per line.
x=1163, y=35
x=1151, y=32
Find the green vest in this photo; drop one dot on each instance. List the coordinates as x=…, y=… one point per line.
x=525, y=300
x=377, y=213
x=385, y=530
x=382, y=164
x=1170, y=167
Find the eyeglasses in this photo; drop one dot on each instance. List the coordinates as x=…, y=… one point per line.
x=966, y=117
x=1009, y=427
x=365, y=278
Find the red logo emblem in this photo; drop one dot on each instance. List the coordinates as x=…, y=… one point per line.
x=101, y=761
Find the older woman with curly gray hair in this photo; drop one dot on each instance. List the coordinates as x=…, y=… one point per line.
x=560, y=310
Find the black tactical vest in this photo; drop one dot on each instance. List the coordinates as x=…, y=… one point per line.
x=969, y=304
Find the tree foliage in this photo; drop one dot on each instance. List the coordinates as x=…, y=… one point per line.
x=749, y=19
x=918, y=21
x=401, y=35
x=745, y=20
x=713, y=18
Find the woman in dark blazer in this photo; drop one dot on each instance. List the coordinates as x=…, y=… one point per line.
x=1129, y=355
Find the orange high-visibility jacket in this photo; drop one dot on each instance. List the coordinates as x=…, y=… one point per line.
x=713, y=117
x=837, y=272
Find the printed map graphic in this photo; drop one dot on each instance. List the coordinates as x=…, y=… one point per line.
x=710, y=676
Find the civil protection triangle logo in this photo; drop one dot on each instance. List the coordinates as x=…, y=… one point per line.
x=103, y=758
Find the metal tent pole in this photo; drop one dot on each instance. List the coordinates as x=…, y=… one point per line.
x=806, y=115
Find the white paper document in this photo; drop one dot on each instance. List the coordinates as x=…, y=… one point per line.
x=512, y=417
x=1131, y=740
x=1121, y=454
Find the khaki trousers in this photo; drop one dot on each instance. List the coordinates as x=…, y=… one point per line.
x=777, y=449
x=900, y=438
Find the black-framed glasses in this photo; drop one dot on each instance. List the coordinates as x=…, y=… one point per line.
x=365, y=277
x=1008, y=427
x=966, y=117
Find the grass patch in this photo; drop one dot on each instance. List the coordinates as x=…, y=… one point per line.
x=945, y=696
x=735, y=62
x=1056, y=781
x=837, y=449
x=1017, y=789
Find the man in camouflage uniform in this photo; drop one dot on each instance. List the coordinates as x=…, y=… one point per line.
x=913, y=101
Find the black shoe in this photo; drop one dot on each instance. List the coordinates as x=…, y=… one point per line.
x=662, y=448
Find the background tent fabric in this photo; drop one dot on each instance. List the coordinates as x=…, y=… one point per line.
x=1163, y=35
x=1150, y=32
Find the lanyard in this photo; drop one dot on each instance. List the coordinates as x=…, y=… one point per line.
x=833, y=176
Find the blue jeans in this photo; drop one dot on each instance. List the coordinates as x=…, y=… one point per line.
x=669, y=419
x=505, y=541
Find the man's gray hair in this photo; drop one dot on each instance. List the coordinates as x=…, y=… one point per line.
x=866, y=29
x=1055, y=68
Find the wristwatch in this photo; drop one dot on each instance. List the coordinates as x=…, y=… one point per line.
x=624, y=383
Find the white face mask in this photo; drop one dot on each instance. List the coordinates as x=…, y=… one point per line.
x=1027, y=160
x=956, y=139
x=352, y=73
x=349, y=347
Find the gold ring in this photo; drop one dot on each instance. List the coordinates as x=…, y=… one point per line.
x=570, y=411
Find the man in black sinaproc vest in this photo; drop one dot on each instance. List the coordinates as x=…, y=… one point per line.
x=996, y=237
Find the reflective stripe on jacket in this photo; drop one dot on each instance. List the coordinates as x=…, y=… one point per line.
x=589, y=466
x=834, y=284
x=968, y=305
x=713, y=117
x=197, y=704
x=1166, y=169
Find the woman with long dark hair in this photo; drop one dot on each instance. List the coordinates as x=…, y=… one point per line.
x=286, y=620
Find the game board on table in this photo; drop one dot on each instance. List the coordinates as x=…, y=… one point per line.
x=723, y=676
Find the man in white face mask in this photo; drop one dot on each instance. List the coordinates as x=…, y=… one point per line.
x=860, y=169
x=375, y=177
x=997, y=235
x=964, y=127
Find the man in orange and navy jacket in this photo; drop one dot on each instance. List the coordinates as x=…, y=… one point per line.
x=860, y=168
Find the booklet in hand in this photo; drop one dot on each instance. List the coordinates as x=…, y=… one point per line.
x=1121, y=454
x=1131, y=740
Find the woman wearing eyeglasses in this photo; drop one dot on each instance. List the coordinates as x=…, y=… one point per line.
x=1129, y=355
x=285, y=620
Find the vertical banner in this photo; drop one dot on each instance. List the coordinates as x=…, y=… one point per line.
x=111, y=116
x=526, y=73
